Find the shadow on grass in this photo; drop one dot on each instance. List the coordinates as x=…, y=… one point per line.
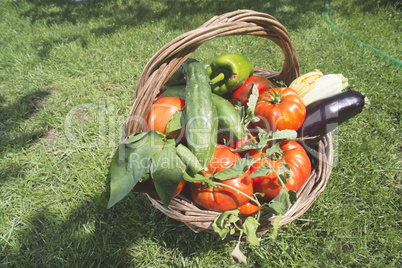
x=108, y=17
x=118, y=14
x=45, y=46
x=131, y=233
x=13, y=116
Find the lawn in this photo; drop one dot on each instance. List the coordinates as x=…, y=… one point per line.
x=68, y=73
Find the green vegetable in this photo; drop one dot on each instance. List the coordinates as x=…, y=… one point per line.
x=177, y=78
x=166, y=173
x=229, y=72
x=200, y=115
x=131, y=162
x=151, y=163
x=175, y=91
x=230, y=126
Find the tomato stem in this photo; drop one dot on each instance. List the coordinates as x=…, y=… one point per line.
x=274, y=97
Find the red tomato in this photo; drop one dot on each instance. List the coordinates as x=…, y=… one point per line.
x=243, y=93
x=279, y=109
x=237, y=144
x=222, y=198
x=243, y=153
x=300, y=167
x=179, y=188
x=161, y=112
x=249, y=208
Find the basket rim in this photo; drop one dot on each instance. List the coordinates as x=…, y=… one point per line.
x=169, y=58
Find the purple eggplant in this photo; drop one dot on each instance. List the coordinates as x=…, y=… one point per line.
x=325, y=115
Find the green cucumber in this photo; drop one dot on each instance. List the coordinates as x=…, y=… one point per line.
x=177, y=78
x=175, y=91
x=230, y=126
x=200, y=113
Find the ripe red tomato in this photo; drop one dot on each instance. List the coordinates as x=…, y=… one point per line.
x=161, y=112
x=179, y=188
x=279, y=109
x=237, y=144
x=222, y=198
x=249, y=208
x=300, y=167
x=243, y=93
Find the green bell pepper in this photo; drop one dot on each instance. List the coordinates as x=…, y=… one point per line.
x=229, y=72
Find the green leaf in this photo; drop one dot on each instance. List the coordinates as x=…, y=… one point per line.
x=245, y=147
x=284, y=167
x=275, y=228
x=292, y=196
x=252, y=103
x=140, y=153
x=151, y=138
x=176, y=122
x=170, y=142
x=250, y=227
x=238, y=169
x=221, y=223
x=240, y=110
x=232, y=231
x=280, y=204
x=284, y=174
x=198, y=177
x=273, y=149
x=189, y=159
x=254, y=119
x=131, y=162
x=233, y=218
x=261, y=172
x=122, y=182
x=132, y=138
x=263, y=137
x=286, y=134
x=166, y=173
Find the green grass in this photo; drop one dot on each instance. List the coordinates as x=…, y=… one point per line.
x=68, y=74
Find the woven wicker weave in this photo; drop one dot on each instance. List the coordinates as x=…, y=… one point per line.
x=169, y=58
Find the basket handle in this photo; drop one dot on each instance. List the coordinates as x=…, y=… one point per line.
x=169, y=58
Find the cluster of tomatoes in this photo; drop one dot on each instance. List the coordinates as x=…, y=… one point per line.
x=279, y=108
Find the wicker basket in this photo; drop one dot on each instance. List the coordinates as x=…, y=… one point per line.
x=168, y=59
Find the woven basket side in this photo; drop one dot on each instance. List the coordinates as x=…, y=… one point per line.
x=169, y=58
x=199, y=219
